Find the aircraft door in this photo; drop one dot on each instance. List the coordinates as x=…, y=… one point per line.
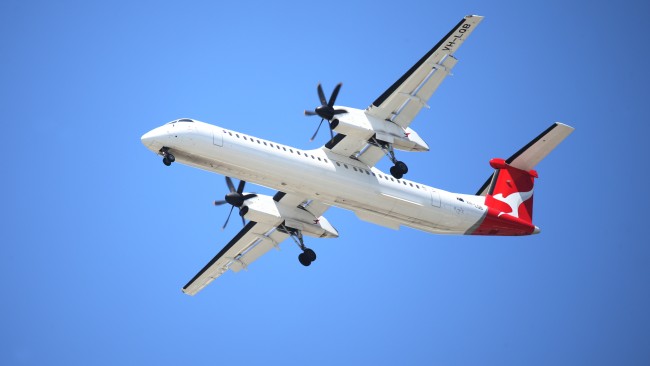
x=217, y=137
x=435, y=198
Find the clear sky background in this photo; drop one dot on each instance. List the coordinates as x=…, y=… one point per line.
x=98, y=236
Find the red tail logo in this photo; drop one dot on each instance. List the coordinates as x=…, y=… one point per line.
x=511, y=191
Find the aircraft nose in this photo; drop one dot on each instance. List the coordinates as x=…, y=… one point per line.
x=150, y=137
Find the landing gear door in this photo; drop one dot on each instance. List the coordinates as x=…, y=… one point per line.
x=435, y=198
x=217, y=137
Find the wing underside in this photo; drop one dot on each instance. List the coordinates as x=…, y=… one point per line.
x=250, y=243
x=403, y=100
x=253, y=241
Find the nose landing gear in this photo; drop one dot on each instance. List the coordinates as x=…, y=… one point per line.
x=168, y=158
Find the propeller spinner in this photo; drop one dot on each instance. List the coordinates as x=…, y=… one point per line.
x=234, y=198
x=326, y=110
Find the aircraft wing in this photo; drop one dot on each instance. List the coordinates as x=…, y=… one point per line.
x=253, y=241
x=405, y=98
x=314, y=207
x=250, y=243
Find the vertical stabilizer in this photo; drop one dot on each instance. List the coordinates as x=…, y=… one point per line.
x=509, y=191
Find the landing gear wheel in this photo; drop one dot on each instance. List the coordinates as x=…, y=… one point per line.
x=172, y=158
x=166, y=161
x=401, y=167
x=396, y=173
x=303, y=259
x=311, y=255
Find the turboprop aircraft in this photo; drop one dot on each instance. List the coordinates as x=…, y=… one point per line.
x=342, y=173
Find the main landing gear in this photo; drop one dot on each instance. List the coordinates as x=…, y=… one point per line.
x=307, y=256
x=168, y=158
x=399, y=169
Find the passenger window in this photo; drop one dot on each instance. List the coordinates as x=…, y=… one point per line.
x=237, y=135
x=355, y=169
x=337, y=163
x=346, y=166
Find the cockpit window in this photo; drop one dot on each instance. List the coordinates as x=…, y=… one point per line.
x=182, y=120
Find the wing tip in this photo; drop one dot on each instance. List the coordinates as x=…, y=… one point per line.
x=565, y=126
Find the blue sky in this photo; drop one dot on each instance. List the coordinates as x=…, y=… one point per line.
x=98, y=236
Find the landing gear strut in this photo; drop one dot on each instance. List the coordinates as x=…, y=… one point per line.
x=307, y=256
x=399, y=169
x=168, y=158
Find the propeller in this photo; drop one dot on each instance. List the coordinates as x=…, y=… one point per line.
x=235, y=198
x=326, y=110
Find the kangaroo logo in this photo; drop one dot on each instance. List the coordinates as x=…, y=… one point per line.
x=513, y=200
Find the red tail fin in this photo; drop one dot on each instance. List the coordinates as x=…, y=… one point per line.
x=511, y=191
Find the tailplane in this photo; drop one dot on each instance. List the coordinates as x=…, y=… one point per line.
x=509, y=190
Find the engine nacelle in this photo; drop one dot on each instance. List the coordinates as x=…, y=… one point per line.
x=264, y=209
x=363, y=126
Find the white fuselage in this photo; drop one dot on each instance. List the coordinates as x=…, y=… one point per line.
x=321, y=175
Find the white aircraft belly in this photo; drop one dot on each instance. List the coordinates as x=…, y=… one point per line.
x=345, y=188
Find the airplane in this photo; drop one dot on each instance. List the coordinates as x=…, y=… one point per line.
x=342, y=173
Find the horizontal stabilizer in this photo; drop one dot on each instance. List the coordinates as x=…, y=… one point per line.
x=530, y=155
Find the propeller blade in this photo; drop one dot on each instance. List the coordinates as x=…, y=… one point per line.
x=339, y=111
x=331, y=132
x=335, y=94
x=243, y=221
x=310, y=113
x=240, y=189
x=224, y=225
x=250, y=195
x=316, y=133
x=230, y=185
x=219, y=203
x=321, y=95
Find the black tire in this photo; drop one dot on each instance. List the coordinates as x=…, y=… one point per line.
x=302, y=258
x=172, y=158
x=401, y=167
x=166, y=161
x=311, y=255
x=396, y=173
